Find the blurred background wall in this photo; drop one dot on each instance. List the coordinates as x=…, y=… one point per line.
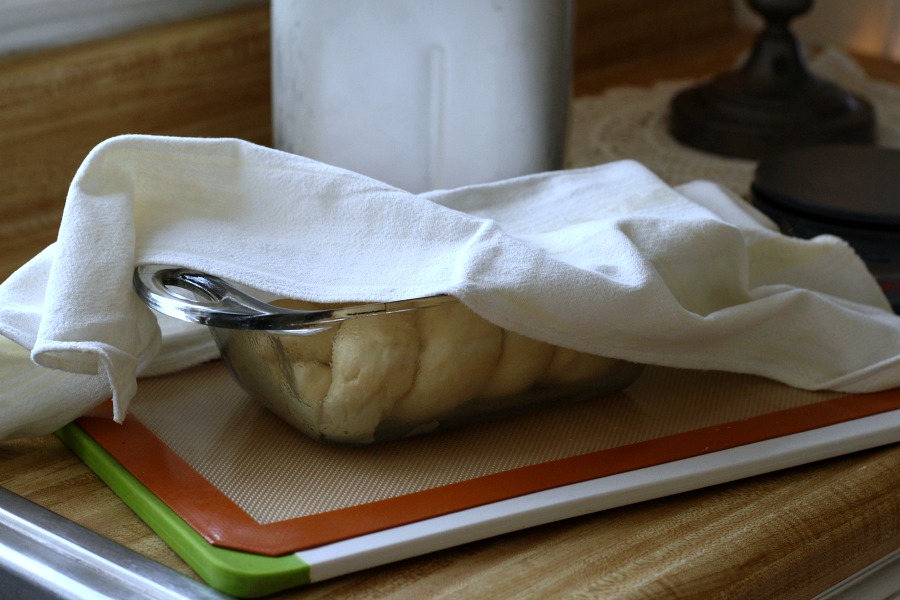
x=866, y=26
x=27, y=25
x=870, y=27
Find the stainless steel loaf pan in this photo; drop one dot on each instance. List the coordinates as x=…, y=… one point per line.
x=378, y=371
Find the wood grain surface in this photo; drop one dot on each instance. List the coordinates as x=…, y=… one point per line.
x=790, y=534
x=207, y=78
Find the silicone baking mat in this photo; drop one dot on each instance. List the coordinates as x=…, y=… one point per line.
x=254, y=507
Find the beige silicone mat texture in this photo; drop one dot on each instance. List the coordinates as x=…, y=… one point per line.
x=275, y=473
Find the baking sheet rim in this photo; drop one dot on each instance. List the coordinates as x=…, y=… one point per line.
x=438, y=533
x=223, y=523
x=603, y=493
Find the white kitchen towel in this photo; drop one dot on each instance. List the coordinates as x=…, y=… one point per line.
x=608, y=260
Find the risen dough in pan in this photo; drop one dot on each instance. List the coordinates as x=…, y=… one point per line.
x=311, y=370
x=373, y=364
x=317, y=345
x=522, y=362
x=309, y=356
x=570, y=366
x=258, y=360
x=458, y=353
x=413, y=368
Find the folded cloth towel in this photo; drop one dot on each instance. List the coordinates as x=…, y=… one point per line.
x=608, y=260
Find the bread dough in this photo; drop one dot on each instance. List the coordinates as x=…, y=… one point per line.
x=310, y=371
x=458, y=352
x=373, y=364
x=570, y=366
x=342, y=381
x=257, y=358
x=522, y=362
x=307, y=359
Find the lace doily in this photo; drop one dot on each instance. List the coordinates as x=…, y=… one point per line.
x=632, y=122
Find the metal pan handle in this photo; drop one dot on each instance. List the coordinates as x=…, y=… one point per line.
x=214, y=302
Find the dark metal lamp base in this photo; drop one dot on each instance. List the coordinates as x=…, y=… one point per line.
x=773, y=102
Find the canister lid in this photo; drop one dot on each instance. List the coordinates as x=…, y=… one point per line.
x=853, y=185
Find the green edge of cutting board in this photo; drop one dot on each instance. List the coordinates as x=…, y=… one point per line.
x=240, y=574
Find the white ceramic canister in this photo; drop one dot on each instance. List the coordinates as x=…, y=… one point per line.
x=423, y=94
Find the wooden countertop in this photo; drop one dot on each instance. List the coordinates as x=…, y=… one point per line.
x=790, y=534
